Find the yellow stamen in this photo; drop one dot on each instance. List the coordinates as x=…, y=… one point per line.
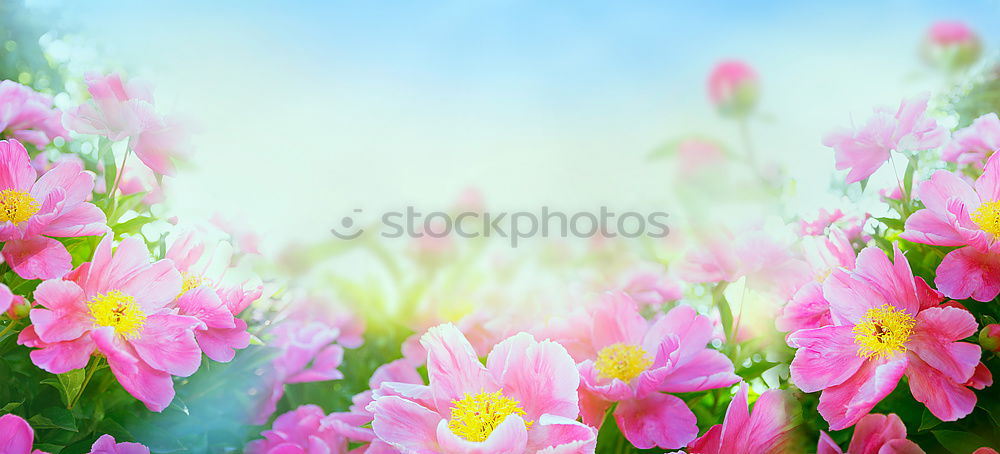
x=16, y=206
x=117, y=310
x=622, y=361
x=987, y=217
x=191, y=281
x=882, y=332
x=475, y=416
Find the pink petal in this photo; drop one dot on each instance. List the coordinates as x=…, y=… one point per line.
x=204, y=304
x=900, y=447
x=943, y=186
x=540, y=375
x=947, y=400
x=37, y=258
x=558, y=435
x=83, y=220
x=69, y=176
x=452, y=366
x=66, y=316
x=825, y=357
x=617, y=320
x=167, y=344
x=708, y=369
x=845, y=404
x=967, y=272
x=693, y=332
x=875, y=430
x=826, y=445
x=988, y=184
x=613, y=390
x=153, y=387
x=934, y=339
x=927, y=227
x=16, y=171
x=106, y=445
x=62, y=357
x=807, y=309
x=850, y=297
x=17, y=435
x=656, y=420
x=510, y=436
x=405, y=424
x=155, y=286
x=220, y=344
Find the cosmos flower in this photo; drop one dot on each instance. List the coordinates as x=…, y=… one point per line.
x=765, y=430
x=31, y=212
x=523, y=400
x=28, y=116
x=116, y=306
x=635, y=362
x=966, y=216
x=886, y=323
x=874, y=434
x=864, y=150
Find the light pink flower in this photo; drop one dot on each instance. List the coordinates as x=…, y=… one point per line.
x=307, y=353
x=17, y=437
x=124, y=110
x=874, y=434
x=523, y=400
x=31, y=212
x=246, y=240
x=967, y=216
x=116, y=305
x=303, y=430
x=975, y=143
x=348, y=322
x=886, y=323
x=635, y=362
x=733, y=87
x=864, y=150
x=28, y=116
x=808, y=307
x=951, y=45
x=765, y=430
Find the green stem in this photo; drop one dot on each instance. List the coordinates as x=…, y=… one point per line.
x=121, y=170
x=91, y=368
x=9, y=327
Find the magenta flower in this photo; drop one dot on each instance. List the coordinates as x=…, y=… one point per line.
x=967, y=216
x=808, y=307
x=303, y=430
x=886, y=323
x=124, y=110
x=765, y=430
x=874, y=434
x=28, y=116
x=17, y=437
x=31, y=212
x=865, y=149
x=975, y=143
x=635, y=362
x=523, y=400
x=733, y=87
x=116, y=305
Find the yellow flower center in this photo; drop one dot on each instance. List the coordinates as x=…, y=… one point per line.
x=475, y=416
x=987, y=217
x=882, y=332
x=16, y=206
x=119, y=311
x=622, y=361
x=191, y=281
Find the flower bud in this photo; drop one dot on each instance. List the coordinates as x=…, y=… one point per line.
x=989, y=338
x=951, y=45
x=733, y=88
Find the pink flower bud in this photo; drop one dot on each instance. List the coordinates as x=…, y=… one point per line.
x=951, y=45
x=989, y=338
x=733, y=88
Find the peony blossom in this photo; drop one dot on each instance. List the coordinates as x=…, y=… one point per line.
x=951, y=45
x=116, y=306
x=864, y=150
x=733, y=87
x=124, y=110
x=524, y=400
x=635, y=362
x=32, y=211
x=28, y=116
x=302, y=430
x=967, y=216
x=976, y=143
x=808, y=307
x=887, y=323
x=17, y=437
x=765, y=430
x=874, y=434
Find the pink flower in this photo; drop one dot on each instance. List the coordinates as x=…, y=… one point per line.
x=28, y=116
x=124, y=110
x=886, y=323
x=116, y=305
x=865, y=149
x=951, y=45
x=307, y=354
x=733, y=87
x=33, y=211
x=635, y=362
x=16, y=437
x=874, y=434
x=303, y=430
x=967, y=216
x=808, y=307
x=247, y=241
x=523, y=400
x=209, y=298
x=765, y=430
x=975, y=143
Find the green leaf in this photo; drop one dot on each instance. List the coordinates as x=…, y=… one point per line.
x=928, y=421
x=72, y=383
x=756, y=369
x=131, y=226
x=959, y=442
x=895, y=224
x=110, y=168
x=911, y=167
x=125, y=204
x=54, y=418
x=10, y=407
